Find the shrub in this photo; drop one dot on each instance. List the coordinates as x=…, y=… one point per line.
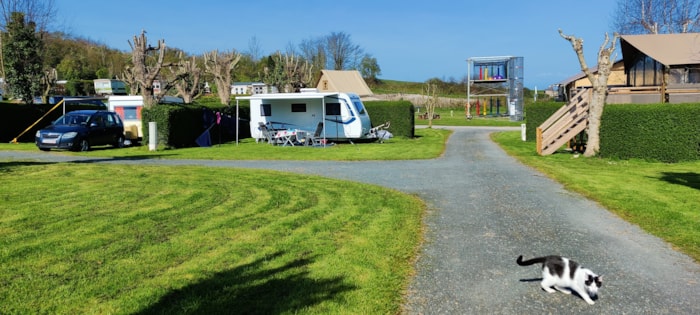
x=663, y=132
x=401, y=114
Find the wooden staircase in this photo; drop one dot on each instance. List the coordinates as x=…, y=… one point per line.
x=564, y=124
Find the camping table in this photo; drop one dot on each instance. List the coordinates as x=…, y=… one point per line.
x=287, y=136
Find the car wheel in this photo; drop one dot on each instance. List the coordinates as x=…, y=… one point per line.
x=120, y=142
x=84, y=145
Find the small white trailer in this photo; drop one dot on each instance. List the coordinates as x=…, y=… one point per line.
x=345, y=117
x=109, y=87
x=128, y=107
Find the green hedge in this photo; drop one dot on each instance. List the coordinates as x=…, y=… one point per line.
x=663, y=132
x=401, y=115
x=16, y=118
x=536, y=114
x=180, y=125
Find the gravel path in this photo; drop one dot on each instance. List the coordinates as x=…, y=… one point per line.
x=485, y=210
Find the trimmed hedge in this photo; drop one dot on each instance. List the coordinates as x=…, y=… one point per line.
x=401, y=115
x=17, y=117
x=662, y=132
x=536, y=114
x=179, y=126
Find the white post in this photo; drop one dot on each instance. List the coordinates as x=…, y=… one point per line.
x=152, y=136
x=522, y=131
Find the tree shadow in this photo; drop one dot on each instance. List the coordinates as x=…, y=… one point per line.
x=254, y=288
x=690, y=179
x=10, y=165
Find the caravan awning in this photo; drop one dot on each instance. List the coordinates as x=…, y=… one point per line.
x=287, y=96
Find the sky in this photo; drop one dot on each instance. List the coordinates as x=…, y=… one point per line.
x=412, y=41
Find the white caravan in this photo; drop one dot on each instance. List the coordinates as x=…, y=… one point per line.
x=128, y=107
x=345, y=116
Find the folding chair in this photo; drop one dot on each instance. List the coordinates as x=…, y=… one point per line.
x=267, y=133
x=315, y=139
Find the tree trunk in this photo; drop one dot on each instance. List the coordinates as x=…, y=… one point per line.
x=599, y=83
x=145, y=73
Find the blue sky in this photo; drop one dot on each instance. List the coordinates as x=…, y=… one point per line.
x=412, y=41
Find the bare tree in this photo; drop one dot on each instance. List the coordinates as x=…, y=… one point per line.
x=187, y=75
x=599, y=83
x=254, y=48
x=128, y=77
x=657, y=16
x=314, y=52
x=431, y=99
x=40, y=12
x=220, y=67
x=288, y=72
x=147, y=62
x=342, y=52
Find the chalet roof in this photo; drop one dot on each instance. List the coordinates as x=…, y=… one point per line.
x=668, y=49
x=349, y=81
x=582, y=75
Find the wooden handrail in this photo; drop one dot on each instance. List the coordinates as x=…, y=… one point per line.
x=564, y=124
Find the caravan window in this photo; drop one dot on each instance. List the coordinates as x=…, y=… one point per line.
x=130, y=113
x=265, y=110
x=332, y=108
x=298, y=108
x=358, y=106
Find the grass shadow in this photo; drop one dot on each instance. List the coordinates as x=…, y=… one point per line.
x=254, y=288
x=690, y=179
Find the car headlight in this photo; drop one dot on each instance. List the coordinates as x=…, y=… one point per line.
x=71, y=134
x=38, y=134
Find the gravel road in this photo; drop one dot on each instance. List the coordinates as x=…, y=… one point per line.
x=485, y=210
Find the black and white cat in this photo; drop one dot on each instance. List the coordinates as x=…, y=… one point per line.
x=566, y=275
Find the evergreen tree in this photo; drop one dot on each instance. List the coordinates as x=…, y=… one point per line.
x=22, y=53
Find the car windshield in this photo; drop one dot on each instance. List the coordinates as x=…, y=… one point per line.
x=72, y=119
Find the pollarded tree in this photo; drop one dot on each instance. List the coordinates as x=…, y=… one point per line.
x=22, y=55
x=147, y=62
x=657, y=16
x=288, y=72
x=599, y=83
x=221, y=66
x=187, y=75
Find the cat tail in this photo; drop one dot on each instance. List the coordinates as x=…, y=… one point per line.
x=533, y=261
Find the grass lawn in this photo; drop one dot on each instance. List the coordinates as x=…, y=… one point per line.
x=98, y=238
x=113, y=239
x=456, y=117
x=663, y=199
x=428, y=143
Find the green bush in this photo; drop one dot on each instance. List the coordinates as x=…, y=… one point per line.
x=401, y=115
x=536, y=114
x=663, y=132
